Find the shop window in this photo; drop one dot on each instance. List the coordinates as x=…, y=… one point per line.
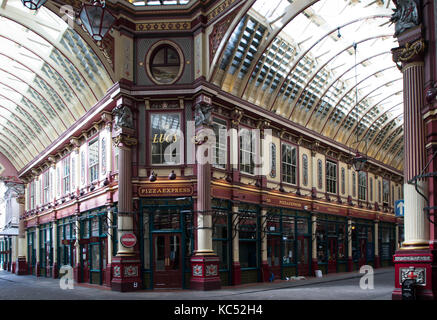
x=165, y=138
x=66, y=177
x=305, y=169
x=93, y=160
x=288, y=238
x=248, y=239
x=289, y=164
x=247, y=151
x=95, y=232
x=32, y=195
x=166, y=219
x=331, y=177
x=321, y=235
x=220, y=238
x=220, y=148
x=164, y=64
x=362, y=185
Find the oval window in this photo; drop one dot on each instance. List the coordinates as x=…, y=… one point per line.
x=165, y=64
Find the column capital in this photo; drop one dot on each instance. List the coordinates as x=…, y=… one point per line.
x=409, y=52
x=124, y=140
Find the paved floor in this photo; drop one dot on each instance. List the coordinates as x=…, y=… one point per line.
x=344, y=286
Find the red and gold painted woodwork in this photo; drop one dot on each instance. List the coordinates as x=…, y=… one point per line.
x=205, y=273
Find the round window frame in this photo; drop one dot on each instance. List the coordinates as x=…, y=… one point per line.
x=151, y=53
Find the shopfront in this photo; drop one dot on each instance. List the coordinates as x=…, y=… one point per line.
x=363, y=252
x=288, y=242
x=167, y=242
x=46, y=249
x=31, y=251
x=66, y=242
x=387, y=243
x=6, y=253
x=93, y=246
x=331, y=234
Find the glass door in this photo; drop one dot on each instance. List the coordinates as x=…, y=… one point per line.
x=167, y=264
x=274, y=255
x=303, y=257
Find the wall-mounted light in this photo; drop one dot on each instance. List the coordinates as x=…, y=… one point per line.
x=152, y=177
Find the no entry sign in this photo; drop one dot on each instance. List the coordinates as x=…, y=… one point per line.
x=128, y=240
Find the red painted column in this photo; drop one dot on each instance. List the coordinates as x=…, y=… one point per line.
x=126, y=265
x=21, y=268
x=416, y=251
x=204, y=262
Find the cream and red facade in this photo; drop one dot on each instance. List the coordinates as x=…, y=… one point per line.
x=199, y=225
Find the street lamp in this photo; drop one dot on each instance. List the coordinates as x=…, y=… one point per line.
x=33, y=4
x=359, y=160
x=96, y=19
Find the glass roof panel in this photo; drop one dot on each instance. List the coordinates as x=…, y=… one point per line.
x=49, y=77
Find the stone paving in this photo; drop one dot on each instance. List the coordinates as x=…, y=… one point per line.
x=340, y=286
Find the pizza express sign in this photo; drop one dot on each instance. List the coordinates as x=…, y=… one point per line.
x=165, y=191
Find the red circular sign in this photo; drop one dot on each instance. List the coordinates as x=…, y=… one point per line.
x=128, y=240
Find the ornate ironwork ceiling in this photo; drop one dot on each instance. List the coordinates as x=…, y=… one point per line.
x=297, y=59
x=49, y=77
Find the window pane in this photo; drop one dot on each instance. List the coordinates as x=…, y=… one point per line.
x=165, y=130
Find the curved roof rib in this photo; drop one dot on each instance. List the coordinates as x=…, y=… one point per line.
x=295, y=58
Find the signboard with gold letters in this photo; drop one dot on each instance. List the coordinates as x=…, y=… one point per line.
x=166, y=190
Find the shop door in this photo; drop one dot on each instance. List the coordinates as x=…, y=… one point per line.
x=362, y=260
x=303, y=256
x=332, y=255
x=274, y=255
x=167, y=263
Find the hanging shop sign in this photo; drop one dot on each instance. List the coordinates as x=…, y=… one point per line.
x=165, y=191
x=128, y=240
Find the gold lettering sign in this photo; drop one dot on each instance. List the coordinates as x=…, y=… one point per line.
x=290, y=203
x=161, y=191
x=161, y=138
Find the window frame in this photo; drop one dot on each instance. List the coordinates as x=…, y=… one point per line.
x=294, y=167
x=329, y=180
x=93, y=167
x=251, y=152
x=362, y=189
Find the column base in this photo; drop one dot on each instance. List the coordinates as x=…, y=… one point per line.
x=55, y=271
x=126, y=273
x=205, y=273
x=377, y=262
x=13, y=266
x=425, y=268
x=37, y=270
x=77, y=270
x=265, y=271
x=350, y=265
x=108, y=275
x=236, y=273
x=21, y=266
x=314, y=266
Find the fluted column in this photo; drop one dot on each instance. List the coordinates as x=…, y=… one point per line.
x=377, y=262
x=205, y=262
x=21, y=268
x=314, y=262
x=416, y=223
x=125, y=207
x=349, y=245
x=264, y=262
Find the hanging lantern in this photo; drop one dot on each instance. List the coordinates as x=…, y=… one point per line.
x=358, y=162
x=96, y=19
x=33, y=4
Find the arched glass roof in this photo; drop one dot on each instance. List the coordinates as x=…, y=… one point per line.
x=49, y=77
x=323, y=64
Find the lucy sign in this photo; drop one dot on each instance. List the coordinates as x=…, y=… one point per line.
x=128, y=240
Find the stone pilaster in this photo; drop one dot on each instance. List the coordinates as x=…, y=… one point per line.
x=264, y=262
x=377, y=262
x=314, y=263
x=21, y=268
x=349, y=246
